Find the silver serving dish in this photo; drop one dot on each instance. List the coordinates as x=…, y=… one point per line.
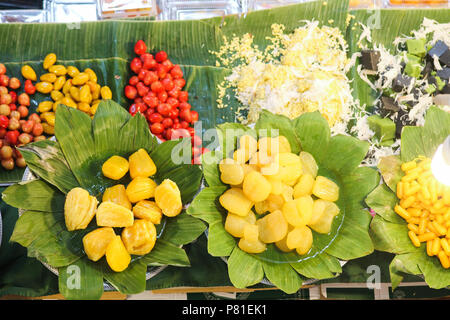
x=151, y=271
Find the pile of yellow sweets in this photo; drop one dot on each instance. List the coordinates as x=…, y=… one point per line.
x=68, y=86
x=129, y=208
x=275, y=196
x=425, y=205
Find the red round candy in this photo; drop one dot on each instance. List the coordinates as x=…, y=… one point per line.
x=149, y=112
x=183, y=96
x=151, y=101
x=157, y=128
x=133, y=81
x=157, y=87
x=130, y=92
x=167, y=122
x=161, y=56
x=167, y=64
x=168, y=133
x=185, y=114
x=196, y=141
x=180, y=133
x=146, y=56
x=142, y=89
x=164, y=109
x=184, y=124
x=140, y=47
x=161, y=71
x=180, y=82
x=168, y=84
x=194, y=116
x=185, y=106
x=196, y=152
x=173, y=114
x=155, y=117
x=150, y=77
x=136, y=65
x=172, y=102
x=191, y=131
x=174, y=92
x=162, y=96
x=176, y=72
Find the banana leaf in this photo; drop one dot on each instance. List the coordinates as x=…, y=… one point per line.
x=107, y=48
x=348, y=238
x=82, y=146
x=388, y=231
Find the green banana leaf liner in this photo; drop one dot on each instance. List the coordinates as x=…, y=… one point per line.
x=74, y=160
x=107, y=48
x=339, y=159
x=388, y=231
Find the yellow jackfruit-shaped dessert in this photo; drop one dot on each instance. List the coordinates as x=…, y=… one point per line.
x=268, y=146
x=140, y=188
x=235, y=201
x=272, y=168
x=274, y=202
x=323, y=214
x=231, y=172
x=281, y=244
x=251, y=246
x=300, y=239
x=283, y=144
x=95, y=242
x=149, y=210
x=241, y=156
x=251, y=232
x=115, y=167
x=272, y=227
x=117, y=255
x=110, y=214
x=140, y=238
x=118, y=195
x=325, y=189
x=261, y=207
x=248, y=143
x=235, y=225
x=261, y=158
x=79, y=209
x=287, y=193
x=290, y=167
x=309, y=164
x=256, y=187
x=141, y=165
x=298, y=212
x=277, y=185
x=168, y=198
x=304, y=186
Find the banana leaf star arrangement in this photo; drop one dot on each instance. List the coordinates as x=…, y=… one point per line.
x=75, y=160
x=338, y=159
x=388, y=230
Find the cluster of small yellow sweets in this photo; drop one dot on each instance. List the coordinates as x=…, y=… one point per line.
x=126, y=207
x=284, y=190
x=425, y=205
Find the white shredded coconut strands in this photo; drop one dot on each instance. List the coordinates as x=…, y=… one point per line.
x=389, y=67
x=299, y=72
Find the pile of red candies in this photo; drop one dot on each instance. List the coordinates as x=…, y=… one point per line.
x=17, y=126
x=157, y=92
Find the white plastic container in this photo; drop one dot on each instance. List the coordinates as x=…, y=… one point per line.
x=119, y=9
x=189, y=10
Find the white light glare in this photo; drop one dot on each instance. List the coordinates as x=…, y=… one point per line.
x=440, y=165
